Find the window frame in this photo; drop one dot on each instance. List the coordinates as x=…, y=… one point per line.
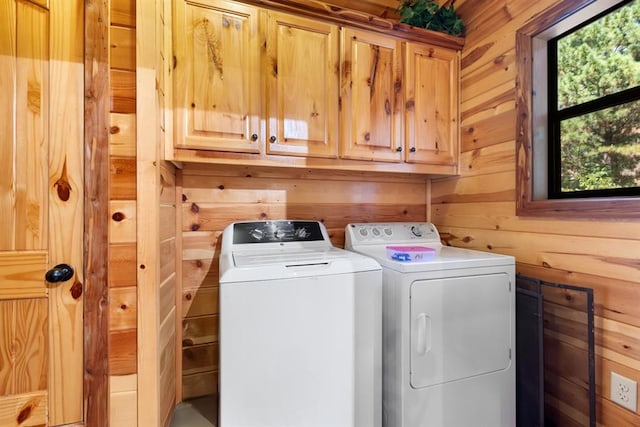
x=617, y=207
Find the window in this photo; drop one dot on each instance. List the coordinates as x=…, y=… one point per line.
x=578, y=102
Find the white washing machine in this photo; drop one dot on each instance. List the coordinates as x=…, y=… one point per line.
x=300, y=329
x=448, y=328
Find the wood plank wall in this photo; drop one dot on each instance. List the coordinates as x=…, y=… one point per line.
x=123, y=300
x=215, y=196
x=477, y=209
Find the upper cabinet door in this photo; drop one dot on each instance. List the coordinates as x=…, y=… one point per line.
x=301, y=73
x=217, y=76
x=371, y=97
x=431, y=112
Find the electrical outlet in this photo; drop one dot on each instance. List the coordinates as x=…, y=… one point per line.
x=624, y=391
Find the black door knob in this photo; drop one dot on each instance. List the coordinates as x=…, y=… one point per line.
x=59, y=273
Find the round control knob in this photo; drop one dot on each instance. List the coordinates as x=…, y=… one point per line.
x=388, y=231
x=363, y=232
x=376, y=232
x=257, y=234
x=416, y=230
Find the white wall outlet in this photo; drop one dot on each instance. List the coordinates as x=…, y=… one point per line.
x=624, y=391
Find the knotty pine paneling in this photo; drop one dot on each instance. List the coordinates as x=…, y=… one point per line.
x=122, y=135
x=123, y=12
x=123, y=91
x=122, y=178
x=122, y=352
x=122, y=225
x=215, y=197
x=123, y=289
x=122, y=264
x=477, y=210
x=122, y=308
x=122, y=409
x=123, y=48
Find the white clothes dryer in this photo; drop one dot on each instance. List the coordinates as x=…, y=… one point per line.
x=448, y=328
x=300, y=329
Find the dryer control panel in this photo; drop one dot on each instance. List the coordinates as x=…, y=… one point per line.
x=391, y=232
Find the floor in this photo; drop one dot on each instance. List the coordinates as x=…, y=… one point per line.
x=200, y=412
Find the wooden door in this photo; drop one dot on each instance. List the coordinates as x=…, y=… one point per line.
x=217, y=76
x=301, y=70
x=41, y=211
x=371, y=105
x=431, y=105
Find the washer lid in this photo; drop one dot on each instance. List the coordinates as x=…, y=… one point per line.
x=270, y=250
x=285, y=256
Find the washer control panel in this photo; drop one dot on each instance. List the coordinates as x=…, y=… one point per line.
x=391, y=232
x=277, y=231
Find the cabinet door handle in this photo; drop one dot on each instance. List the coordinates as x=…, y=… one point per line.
x=398, y=149
x=254, y=137
x=412, y=149
x=272, y=139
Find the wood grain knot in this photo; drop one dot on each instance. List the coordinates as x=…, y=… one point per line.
x=25, y=413
x=63, y=188
x=489, y=247
x=33, y=96
x=198, y=263
x=195, y=227
x=263, y=215
x=195, y=208
x=123, y=307
x=187, y=342
x=76, y=290
x=114, y=130
x=187, y=297
x=221, y=187
x=184, y=197
x=142, y=266
x=467, y=239
x=117, y=216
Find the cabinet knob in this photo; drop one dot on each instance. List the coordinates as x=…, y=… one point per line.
x=272, y=139
x=254, y=137
x=412, y=149
x=398, y=149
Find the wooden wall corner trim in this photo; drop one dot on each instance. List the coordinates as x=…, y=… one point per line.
x=96, y=175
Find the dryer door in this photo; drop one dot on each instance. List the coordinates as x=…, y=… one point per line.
x=460, y=328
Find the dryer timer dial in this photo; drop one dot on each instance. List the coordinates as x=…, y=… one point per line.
x=416, y=230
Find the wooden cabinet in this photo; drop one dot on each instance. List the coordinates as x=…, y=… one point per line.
x=217, y=76
x=371, y=95
x=262, y=87
x=431, y=109
x=301, y=72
